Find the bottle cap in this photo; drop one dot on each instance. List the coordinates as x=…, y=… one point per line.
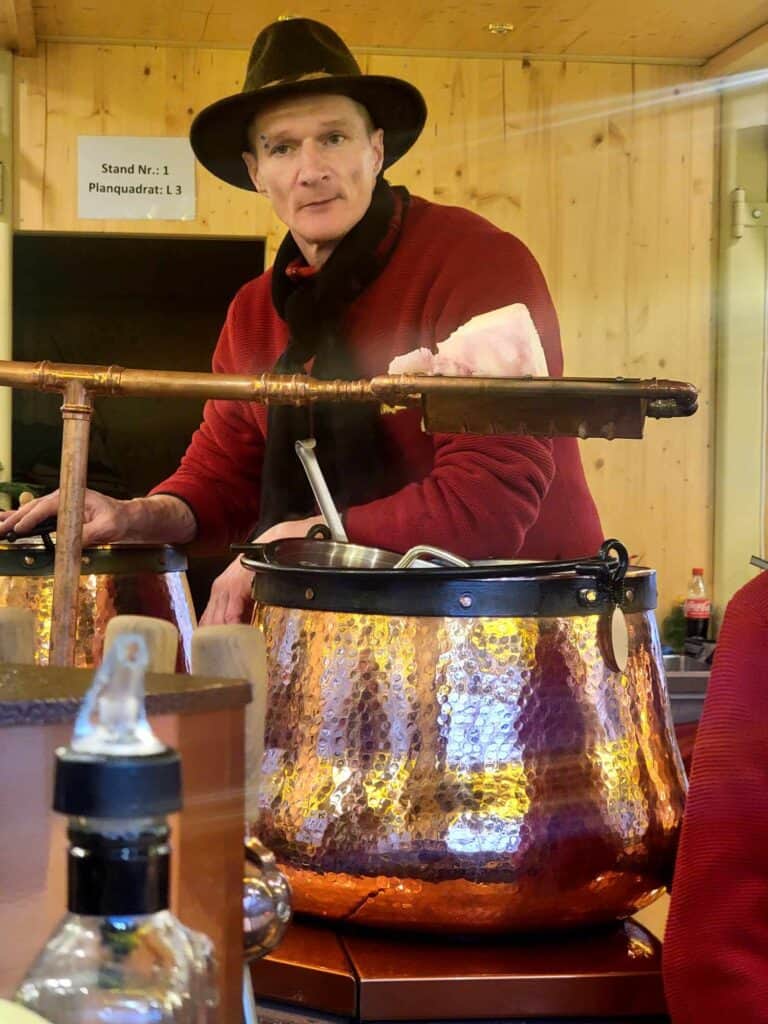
x=103, y=786
x=698, y=572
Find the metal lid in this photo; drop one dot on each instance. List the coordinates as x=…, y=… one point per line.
x=536, y=589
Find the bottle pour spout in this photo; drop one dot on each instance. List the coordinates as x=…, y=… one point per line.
x=113, y=720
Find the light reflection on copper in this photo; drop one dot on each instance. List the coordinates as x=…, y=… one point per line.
x=102, y=596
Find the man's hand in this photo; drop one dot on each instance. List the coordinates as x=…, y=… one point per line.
x=230, y=599
x=292, y=528
x=102, y=519
x=159, y=519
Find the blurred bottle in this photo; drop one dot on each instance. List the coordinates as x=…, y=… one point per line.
x=698, y=606
x=119, y=956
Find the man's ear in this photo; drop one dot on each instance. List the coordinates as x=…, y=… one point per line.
x=252, y=166
x=377, y=142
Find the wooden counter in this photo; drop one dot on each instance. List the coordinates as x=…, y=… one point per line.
x=204, y=720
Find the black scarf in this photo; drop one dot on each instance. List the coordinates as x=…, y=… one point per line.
x=351, y=447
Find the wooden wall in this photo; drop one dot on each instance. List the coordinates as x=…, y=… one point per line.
x=606, y=170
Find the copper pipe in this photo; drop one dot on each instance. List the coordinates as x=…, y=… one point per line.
x=76, y=412
x=116, y=380
x=298, y=389
x=495, y=398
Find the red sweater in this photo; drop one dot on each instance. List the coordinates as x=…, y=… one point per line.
x=478, y=496
x=716, y=943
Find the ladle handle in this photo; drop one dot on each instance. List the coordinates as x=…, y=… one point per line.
x=306, y=452
x=437, y=554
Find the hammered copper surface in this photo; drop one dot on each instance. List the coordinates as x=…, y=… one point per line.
x=462, y=774
x=101, y=597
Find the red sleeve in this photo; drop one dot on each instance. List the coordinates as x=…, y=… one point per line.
x=716, y=943
x=484, y=492
x=219, y=476
x=480, y=499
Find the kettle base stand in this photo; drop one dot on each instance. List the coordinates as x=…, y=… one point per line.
x=331, y=974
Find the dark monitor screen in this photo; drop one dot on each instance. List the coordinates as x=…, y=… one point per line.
x=155, y=303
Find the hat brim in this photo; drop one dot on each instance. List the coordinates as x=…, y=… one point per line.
x=218, y=133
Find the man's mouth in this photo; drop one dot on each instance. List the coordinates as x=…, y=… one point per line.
x=318, y=204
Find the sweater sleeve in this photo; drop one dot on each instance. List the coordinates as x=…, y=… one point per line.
x=716, y=943
x=483, y=493
x=479, y=500
x=219, y=476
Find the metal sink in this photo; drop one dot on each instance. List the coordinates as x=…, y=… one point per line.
x=687, y=681
x=683, y=663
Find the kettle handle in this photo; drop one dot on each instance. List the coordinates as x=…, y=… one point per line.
x=618, y=565
x=42, y=530
x=318, y=532
x=609, y=565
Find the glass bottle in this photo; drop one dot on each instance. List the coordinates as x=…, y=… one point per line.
x=697, y=608
x=119, y=956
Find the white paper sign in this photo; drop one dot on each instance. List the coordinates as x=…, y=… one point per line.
x=122, y=177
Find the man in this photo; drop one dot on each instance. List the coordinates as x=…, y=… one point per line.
x=365, y=273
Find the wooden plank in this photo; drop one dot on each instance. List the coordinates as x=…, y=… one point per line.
x=20, y=22
x=685, y=29
x=668, y=517
x=30, y=136
x=25, y=24
x=742, y=410
x=7, y=30
x=570, y=145
x=222, y=209
x=750, y=53
x=416, y=169
x=566, y=142
x=617, y=205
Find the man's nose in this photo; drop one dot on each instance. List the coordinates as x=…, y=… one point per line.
x=312, y=163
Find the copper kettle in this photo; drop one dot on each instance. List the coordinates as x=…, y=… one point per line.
x=457, y=749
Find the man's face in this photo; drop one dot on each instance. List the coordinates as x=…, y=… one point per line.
x=316, y=159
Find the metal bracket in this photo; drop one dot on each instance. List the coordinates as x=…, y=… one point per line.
x=746, y=214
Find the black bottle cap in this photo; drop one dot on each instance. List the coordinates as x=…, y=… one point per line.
x=100, y=786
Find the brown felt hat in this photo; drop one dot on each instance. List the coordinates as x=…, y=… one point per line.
x=301, y=56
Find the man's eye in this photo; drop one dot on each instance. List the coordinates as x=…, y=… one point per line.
x=280, y=149
x=335, y=138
